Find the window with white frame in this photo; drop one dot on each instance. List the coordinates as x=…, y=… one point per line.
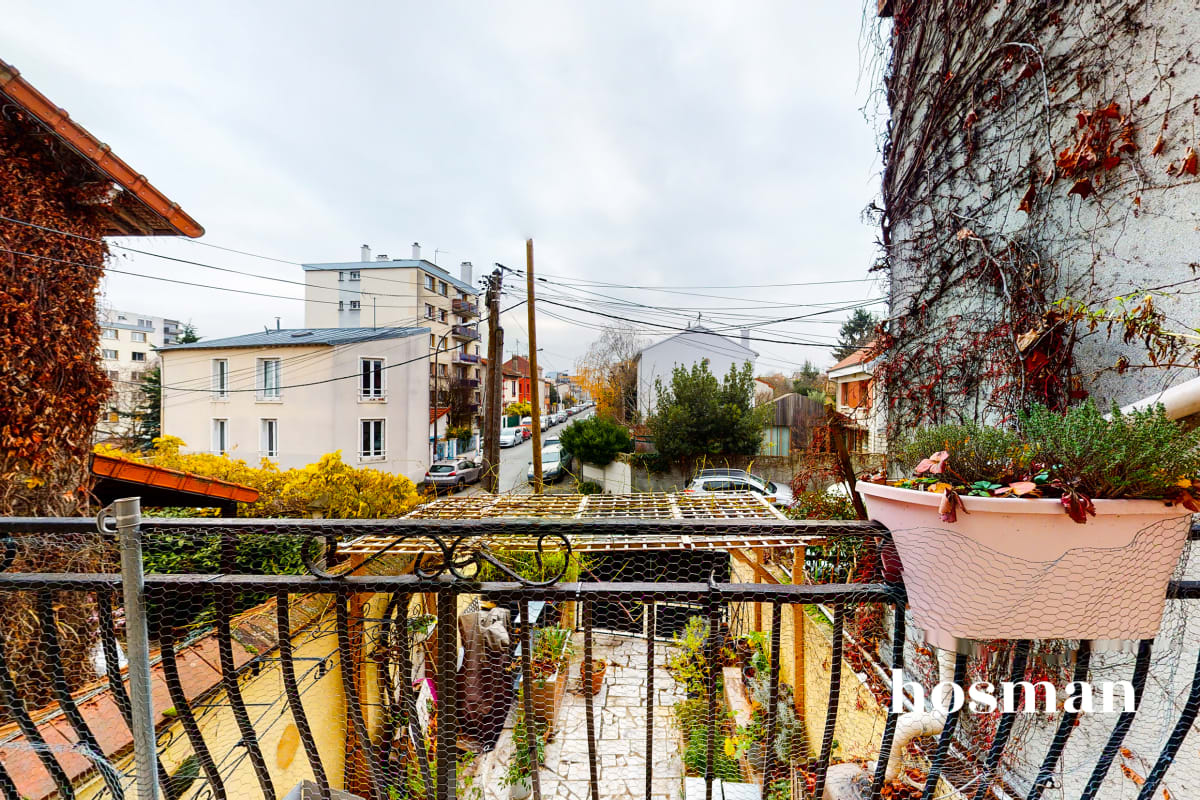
x=341, y=276
x=136, y=356
x=371, y=385
x=441, y=315
x=428, y=311
x=269, y=375
x=269, y=438
x=355, y=305
x=442, y=288
x=145, y=323
x=354, y=275
x=138, y=336
x=371, y=445
x=341, y=305
x=220, y=436
x=109, y=333
x=109, y=354
x=220, y=378
x=429, y=282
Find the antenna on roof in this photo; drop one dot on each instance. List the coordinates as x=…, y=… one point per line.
x=277, y=323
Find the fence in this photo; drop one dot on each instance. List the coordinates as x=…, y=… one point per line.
x=333, y=676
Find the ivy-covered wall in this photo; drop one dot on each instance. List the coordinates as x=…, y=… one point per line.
x=1040, y=182
x=52, y=386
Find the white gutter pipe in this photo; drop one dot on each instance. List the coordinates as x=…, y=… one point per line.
x=1180, y=401
x=922, y=722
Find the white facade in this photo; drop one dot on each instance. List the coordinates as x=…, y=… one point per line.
x=128, y=344
x=384, y=292
x=292, y=396
x=689, y=347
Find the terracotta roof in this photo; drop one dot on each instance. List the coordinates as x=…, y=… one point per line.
x=160, y=477
x=254, y=636
x=441, y=412
x=856, y=357
x=139, y=210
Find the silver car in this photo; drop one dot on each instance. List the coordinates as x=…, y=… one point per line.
x=731, y=480
x=554, y=463
x=511, y=437
x=452, y=473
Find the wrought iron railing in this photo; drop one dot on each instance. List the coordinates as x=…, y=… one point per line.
x=216, y=635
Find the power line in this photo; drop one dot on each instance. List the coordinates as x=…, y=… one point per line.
x=210, y=390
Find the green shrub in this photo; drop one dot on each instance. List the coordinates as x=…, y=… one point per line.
x=596, y=440
x=977, y=453
x=589, y=487
x=1139, y=454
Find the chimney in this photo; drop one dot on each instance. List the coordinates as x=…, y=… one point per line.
x=381, y=257
x=416, y=251
x=465, y=270
x=746, y=338
x=366, y=253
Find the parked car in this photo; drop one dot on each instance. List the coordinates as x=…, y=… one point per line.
x=555, y=462
x=511, y=437
x=711, y=481
x=452, y=473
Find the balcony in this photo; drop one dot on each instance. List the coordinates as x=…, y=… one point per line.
x=634, y=693
x=464, y=307
x=465, y=358
x=464, y=332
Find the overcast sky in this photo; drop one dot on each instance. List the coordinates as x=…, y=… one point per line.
x=644, y=143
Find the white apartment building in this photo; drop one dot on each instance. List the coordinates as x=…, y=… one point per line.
x=684, y=349
x=382, y=291
x=128, y=344
x=293, y=395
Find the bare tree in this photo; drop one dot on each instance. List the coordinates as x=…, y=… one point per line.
x=608, y=370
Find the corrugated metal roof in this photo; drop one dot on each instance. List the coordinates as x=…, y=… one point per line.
x=397, y=263
x=288, y=337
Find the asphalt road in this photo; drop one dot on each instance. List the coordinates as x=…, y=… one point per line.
x=514, y=461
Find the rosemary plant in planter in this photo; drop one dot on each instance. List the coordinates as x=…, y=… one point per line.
x=550, y=657
x=1068, y=527
x=518, y=777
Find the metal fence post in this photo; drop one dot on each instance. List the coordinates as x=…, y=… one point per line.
x=128, y=512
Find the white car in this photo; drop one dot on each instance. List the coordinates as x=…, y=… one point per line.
x=511, y=437
x=714, y=481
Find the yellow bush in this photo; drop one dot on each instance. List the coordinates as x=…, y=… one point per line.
x=339, y=490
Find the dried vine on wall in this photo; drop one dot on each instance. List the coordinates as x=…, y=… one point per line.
x=1024, y=141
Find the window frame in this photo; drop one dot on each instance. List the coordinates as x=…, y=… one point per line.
x=378, y=391
x=115, y=334
x=104, y=353
x=133, y=356
x=263, y=391
x=371, y=454
x=219, y=384
x=429, y=283
x=133, y=336
x=355, y=275
x=355, y=305
x=220, y=443
x=268, y=437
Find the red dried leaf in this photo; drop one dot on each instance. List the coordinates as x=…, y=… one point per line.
x=1189, y=162
x=948, y=507
x=1083, y=187
x=1078, y=506
x=1026, y=204
x=1131, y=775
x=1110, y=161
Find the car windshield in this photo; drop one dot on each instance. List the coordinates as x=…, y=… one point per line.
x=440, y=468
x=772, y=488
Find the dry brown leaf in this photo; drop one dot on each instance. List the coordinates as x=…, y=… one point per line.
x=1158, y=146
x=1189, y=162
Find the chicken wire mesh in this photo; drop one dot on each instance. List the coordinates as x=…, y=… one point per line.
x=285, y=662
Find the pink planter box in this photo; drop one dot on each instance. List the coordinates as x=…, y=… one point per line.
x=1014, y=568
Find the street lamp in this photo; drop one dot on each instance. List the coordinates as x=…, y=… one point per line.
x=437, y=390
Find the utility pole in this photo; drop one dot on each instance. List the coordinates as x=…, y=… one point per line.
x=492, y=390
x=535, y=410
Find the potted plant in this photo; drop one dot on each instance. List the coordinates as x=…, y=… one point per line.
x=518, y=776
x=599, y=667
x=551, y=652
x=1068, y=527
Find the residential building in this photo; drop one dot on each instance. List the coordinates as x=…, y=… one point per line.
x=854, y=398
x=517, y=385
x=291, y=396
x=684, y=349
x=380, y=292
x=129, y=342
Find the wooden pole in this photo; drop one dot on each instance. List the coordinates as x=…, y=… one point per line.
x=492, y=390
x=535, y=406
x=798, y=633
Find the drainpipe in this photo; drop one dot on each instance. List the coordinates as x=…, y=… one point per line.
x=1180, y=401
x=922, y=722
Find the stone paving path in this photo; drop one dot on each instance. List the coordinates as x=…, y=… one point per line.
x=620, y=715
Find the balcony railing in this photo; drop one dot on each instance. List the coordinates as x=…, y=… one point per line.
x=465, y=358
x=464, y=332
x=340, y=676
x=464, y=307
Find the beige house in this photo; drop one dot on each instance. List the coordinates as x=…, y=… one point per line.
x=292, y=396
x=383, y=292
x=128, y=341
x=854, y=397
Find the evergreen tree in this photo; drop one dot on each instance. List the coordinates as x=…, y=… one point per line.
x=146, y=418
x=855, y=332
x=188, y=334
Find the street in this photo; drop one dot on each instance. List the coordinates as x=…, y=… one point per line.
x=514, y=461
